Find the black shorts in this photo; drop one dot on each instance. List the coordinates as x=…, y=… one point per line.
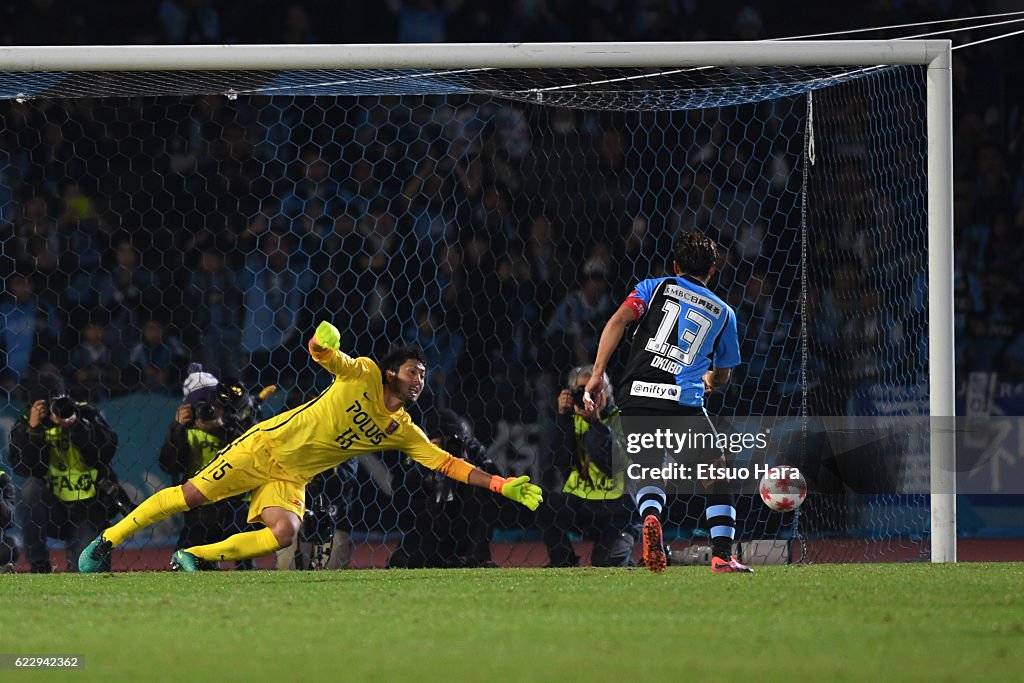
x=699, y=421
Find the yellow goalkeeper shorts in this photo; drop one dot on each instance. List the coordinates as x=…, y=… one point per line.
x=243, y=465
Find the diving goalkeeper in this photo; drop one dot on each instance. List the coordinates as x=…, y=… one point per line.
x=361, y=412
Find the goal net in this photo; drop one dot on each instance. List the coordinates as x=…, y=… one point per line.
x=187, y=209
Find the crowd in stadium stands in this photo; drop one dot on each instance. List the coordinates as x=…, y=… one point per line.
x=144, y=242
x=47, y=22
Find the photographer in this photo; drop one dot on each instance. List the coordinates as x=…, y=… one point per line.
x=452, y=524
x=213, y=414
x=64, y=450
x=585, y=450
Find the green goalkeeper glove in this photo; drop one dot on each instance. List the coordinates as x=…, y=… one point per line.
x=519, y=489
x=327, y=336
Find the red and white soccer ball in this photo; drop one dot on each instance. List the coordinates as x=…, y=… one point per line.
x=783, y=489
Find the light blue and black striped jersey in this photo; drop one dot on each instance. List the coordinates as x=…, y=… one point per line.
x=683, y=330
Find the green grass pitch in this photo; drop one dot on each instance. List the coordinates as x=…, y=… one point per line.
x=814, y=623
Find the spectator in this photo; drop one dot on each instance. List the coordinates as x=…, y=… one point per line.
x=248, y=242
x=614, y=185
x=450, y=278
x=215, y=304
x=360, y=188
x=494, y=215
x=155, y=360
x=36, y=224
x=546, y=256
x=30, y=337
x=517, y=313
x=422, y=21
x=441, y=350
x=129, y=293
x=189, y=22
x=578, y=320
x=849, y=321
x=766, y=327
x=377, y=279
x=598, y=260
x=92, y=366
x=749, y=25
x=638, y=251
x=298, y=26
x=274, y=288
x=64, y=449
x=430, y=209
x=315, y=188
x=42, y=250
x=586, y=452
x=79, y=220
x=480, y=309
x=76, y=207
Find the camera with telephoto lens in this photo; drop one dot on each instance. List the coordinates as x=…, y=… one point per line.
x=454, y=445
x=577, y=397
x=204, y=410
x=456, y=437
x=64, y=407
x=240, y=410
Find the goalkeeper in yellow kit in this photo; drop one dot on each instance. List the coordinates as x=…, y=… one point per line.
x=361, y=412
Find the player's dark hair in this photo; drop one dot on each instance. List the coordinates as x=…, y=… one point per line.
x=695, y=253
x=397, y=357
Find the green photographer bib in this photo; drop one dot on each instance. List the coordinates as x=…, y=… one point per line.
x=593, y=484
x=71, y=479
x=203, y=448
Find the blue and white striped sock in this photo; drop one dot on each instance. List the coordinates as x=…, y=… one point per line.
x=650, y=500
x=721, y=518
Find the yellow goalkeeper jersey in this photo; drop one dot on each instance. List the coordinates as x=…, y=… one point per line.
x=347, y=419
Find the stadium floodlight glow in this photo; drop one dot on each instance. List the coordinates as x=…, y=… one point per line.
x=594, y=75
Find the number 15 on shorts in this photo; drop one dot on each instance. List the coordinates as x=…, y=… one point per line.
x=215, y=470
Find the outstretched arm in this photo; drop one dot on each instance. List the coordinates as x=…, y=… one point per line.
x=429, y=455
x=518, y=489
x=610, y=338
x=323, y=347
x=325, y=338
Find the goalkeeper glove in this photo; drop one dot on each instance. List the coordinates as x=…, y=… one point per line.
x=327, y=336
x=518, y=489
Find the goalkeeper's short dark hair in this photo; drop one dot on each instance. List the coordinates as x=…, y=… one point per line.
x=397, y=357
x=695, y=253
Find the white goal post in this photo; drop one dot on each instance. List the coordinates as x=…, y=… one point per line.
x=934, y=54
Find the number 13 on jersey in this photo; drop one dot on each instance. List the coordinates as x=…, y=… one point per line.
x=690, y=338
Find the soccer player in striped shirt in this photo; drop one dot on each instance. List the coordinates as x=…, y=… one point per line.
x=362, y=411
x=685, y=345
